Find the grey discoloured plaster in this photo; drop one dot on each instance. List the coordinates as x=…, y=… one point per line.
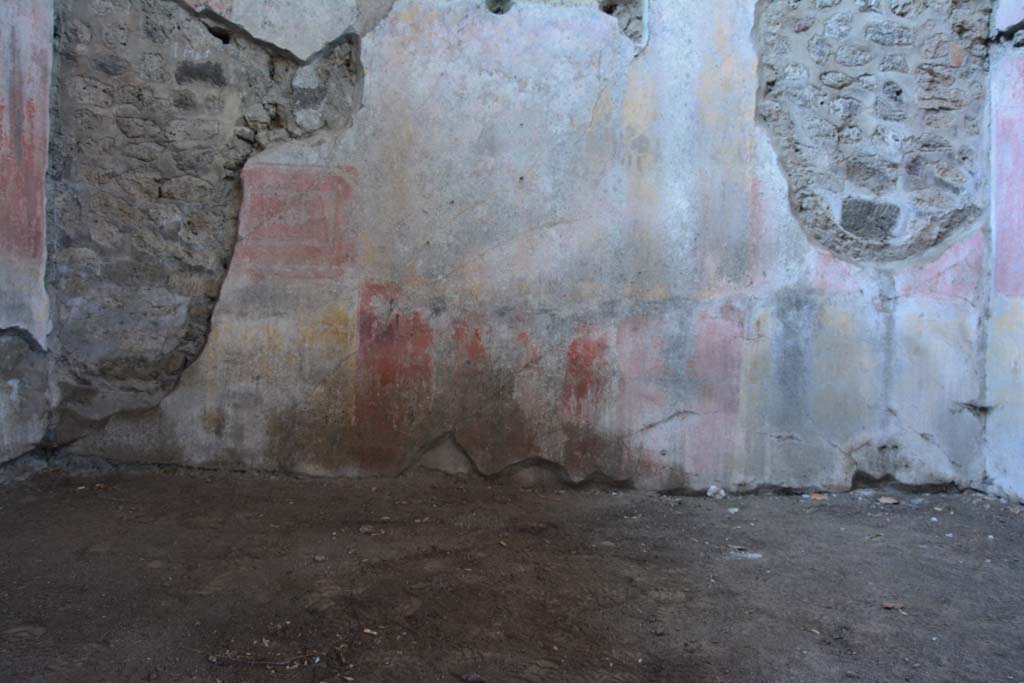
x=873, y=106
x=155, y=112
x=25, y=61
x=23, y=393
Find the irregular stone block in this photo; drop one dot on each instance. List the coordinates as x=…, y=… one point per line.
x=869, y=220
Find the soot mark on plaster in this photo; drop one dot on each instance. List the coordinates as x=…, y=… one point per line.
x=873, y=110
x=144, y=184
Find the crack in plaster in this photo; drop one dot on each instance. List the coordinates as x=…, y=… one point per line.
x=594, y=477
x=25, y=336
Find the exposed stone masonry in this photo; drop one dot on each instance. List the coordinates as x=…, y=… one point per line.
x=155, y=111
x=875, y=108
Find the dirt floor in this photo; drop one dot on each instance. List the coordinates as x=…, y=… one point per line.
x=176, y=575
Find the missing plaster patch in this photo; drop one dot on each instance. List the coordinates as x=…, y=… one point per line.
x=149, y=136
x=873, y=111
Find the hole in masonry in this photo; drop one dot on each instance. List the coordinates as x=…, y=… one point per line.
x=630, y=14
x=220, y=33
x=499, y=6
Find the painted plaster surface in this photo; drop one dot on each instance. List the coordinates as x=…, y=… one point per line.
x=26, y=27
x=25, y=30
x=1005, y=400
x=571, y=253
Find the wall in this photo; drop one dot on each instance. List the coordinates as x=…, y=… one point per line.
x=580, y=257
x=665, y=245
x=25, y=30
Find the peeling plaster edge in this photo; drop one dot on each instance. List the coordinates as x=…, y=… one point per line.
x=354, y=29
x=205, y=16
x=645, y=38
x=1007, y=34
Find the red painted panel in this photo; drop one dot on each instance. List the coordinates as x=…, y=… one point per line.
x=481, y=396
x=294, y=222
x=585, y=393
x=394, y=383
x=587, y=376
x=26, y=40
x=221, y=7
x=469, y=343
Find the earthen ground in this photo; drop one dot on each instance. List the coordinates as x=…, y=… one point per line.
x=178, y=575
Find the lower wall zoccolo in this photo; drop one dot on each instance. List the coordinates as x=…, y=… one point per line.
x=575, y=258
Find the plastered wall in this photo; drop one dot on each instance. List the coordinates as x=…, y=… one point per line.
x=574, y=241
